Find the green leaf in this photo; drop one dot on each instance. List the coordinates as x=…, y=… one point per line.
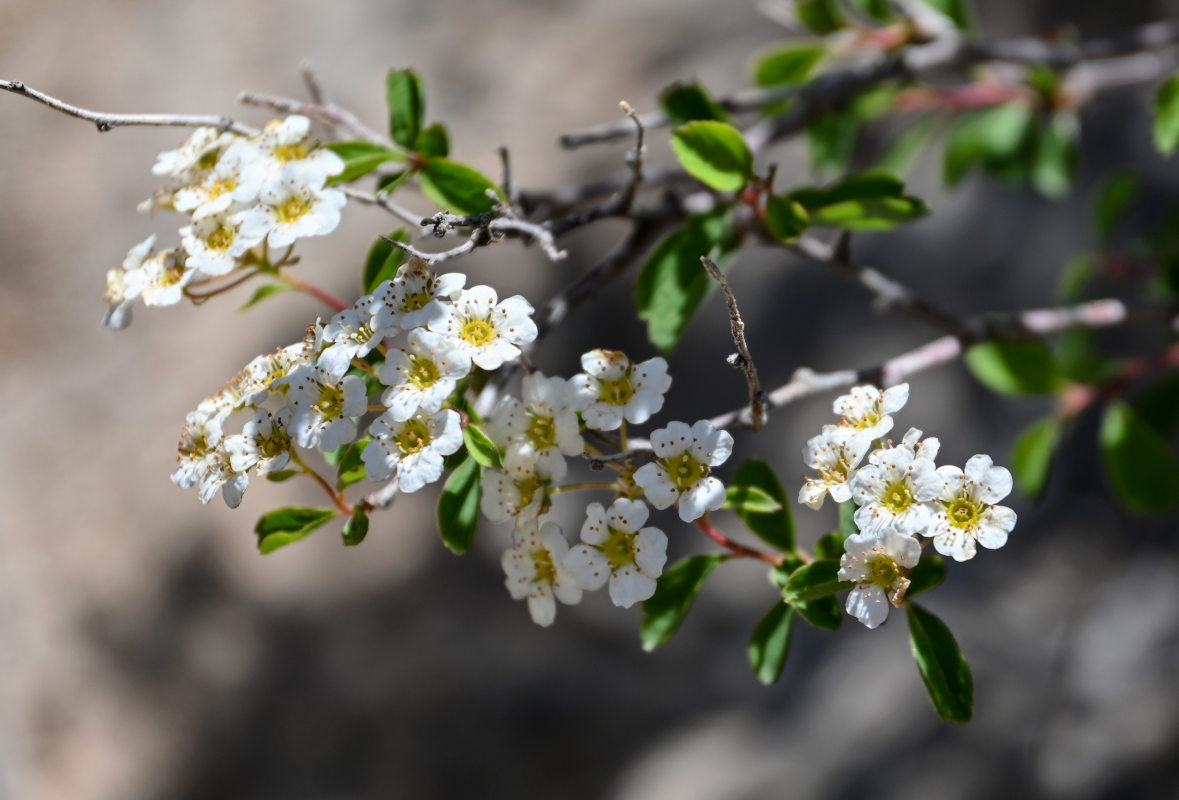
x=1055, y=158
x=910, y=143
x=823, y=613
x=789, y=63
x=383, y=260
x=262, y=292
x=775, y=526
x=458, y=507
x=785, y=218
x=1158, y=404
x=1138, y=460
x=868, y=201
x=356, y=528
x=387, y=184
x=993, y=138
x=1014, y=367
x=1116, y=196
x=847, y=519
x=943, y=669
x=481, y=448
x=433, y=141
x=685, y=102
x=813, y=581
x=457, y=187
x=285, y=525
x=770, y=643
x=877, y=9
x=750, y=499
x=1031, y=457
x=350, y=467
x=821, y=16
x=714, y=153
x=675, y=592
x=360, y=158
x=1166, y=116
x=956, y=10
x=832, y=139
x=673, y=283
x=830, y=546
x=928, y=574
x=281, y=475
x=406, y=98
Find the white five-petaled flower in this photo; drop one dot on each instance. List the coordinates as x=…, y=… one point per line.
x=490, y=332
x=351, y=333
x=413, y=447
x=965, y=514
x=617, y=547
x=895, y=488
x=214, y=242
x=834, y=458
x=256, y=378
x=614, y=388
x=416, y=294
x=534, y=570
x=297, y=205
x=422, y=375
x=125, y=284
x=540, y=427
x=865, y=412
x=522, y=491
x=196, y=156
x=166, y=276
x=875, y=561
x=324, y=407
x=233, y=182
x=263, y=443
x=684, y=457
x=289, y=141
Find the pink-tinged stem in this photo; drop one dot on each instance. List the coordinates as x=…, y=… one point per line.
x=313, y=290
x=736, y=548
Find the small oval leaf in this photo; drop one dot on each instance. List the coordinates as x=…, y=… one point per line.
x=481, y=448
x=943, y=669
x=813, y=581
x=714, y=153
x=406, y=98
x=457, y=187
x=770, y=643
x=1139, y=461
x=1014, y=367
x=1031, y=458
x=675, y=592
x=458, y=507
x=356, y=528
x=928, y=574
x=285, y=525
x=775, y=526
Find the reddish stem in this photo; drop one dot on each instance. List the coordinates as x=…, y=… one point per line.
x=313, y=290
x=736, y=548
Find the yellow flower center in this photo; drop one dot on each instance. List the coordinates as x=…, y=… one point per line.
x=528, y=489
x=423, y=373
x=867, y=421
x=414, y=437
x=684, y=470
x=882, y=570
x=616, y=392
x=412, y=301
x=897, y=497
x=962, y=512
x=477, y=332
x=619, y=548
x=542, y=432
x=330, y=402
x=275, y=444
x=220, y=239
x=292, y=209
x=171, y=276
x=292, y=152
x=546, y=570
x=836, y=473
x=221, y=187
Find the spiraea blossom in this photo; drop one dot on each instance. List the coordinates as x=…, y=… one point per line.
x=125, y=284
x=165, y=278
x=196, y=156
x=296, y=205
x=352, y=333
x=215, y=242
x=522, y=492
x=233, y=181
x=324, y=407
x=422, y=374
x=534, y=570
x=834, y=457
x=413, y=448
x=489, y=330
x=263, y=443
x=878, y=563
x=619, y=549
x=895, y=488
x=539, y=427
x=684, y=457
x=256, y=378
x=416, y=294
x=613, y=388
x=289, y=141
x=866, y=411
x=965, y=514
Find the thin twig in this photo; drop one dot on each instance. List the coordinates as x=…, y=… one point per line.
x=106, y=121
x=436, y=258
x=509, y=183
x=332, y=115
x=742, y=359
x=314, y=89
x=380, y=200
x=504, y=225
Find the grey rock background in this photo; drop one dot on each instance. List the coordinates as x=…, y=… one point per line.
x=147, y=651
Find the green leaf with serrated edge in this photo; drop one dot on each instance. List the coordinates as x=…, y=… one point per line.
x=789, y=63
x=684, y=102
x=1166, y=116
x=457, y=187
x=1031, y=457
x=458, y=507
x=360, y=158
x=993, y=138
x=813, y=581
x=824, y=613
x=785, y=218
x=675, y=591
x=821, y=16
x=1055, y=156
x=383, y=260
x=774, y=527
x=406, y=98
x=1158, y=404
x=943, y=669
x=1116, y=196
x=928, y=574
x=481, y=448
x=770, y=643
x=672, y=282
x=356, y=528
x=1014, y=367
x=956, y=10
x=829, y=546
x=714, y=153
x=433, y=141
x=350, y=467
x=281, y=475
x=847, y=519
x=1138, y=461
x=750, y=499
x=285, y=525
x=262, y=292
x=880, y=10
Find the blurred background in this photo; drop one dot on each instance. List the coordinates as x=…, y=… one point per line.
x=148, y=651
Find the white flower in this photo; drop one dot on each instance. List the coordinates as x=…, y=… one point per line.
x=125, y=284
x=234, y=181
x=865, y=411
x=533, y=568
x=416, y=294
x=289, y=142
x=216, y=241
x=256, y=378
x=541, y=427
x=683, y=460
x=613, y=388
x=263, y=443
x=875, y=561
x=965, y=513
x=521, y=492
x=490, y=332
x=166, y=278
x=199, y=441
x=422, y=375
x=894, y=488
x=835, y=458
x=297, y=205
x=618, y=547
x=221, y=477
x=352, y=333
x=324, y=407
x=413, y=447
x=199, y=153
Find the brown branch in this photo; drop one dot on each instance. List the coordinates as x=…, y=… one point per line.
x=742, y=359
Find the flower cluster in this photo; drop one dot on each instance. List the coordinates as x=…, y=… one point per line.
x=242, y=195
x=900, y=494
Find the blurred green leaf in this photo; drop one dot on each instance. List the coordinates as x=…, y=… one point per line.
x=1055, y=157
x=847, y=519
x=285, y=525
x=774, y=526
x=685, y=102
x=956, y=10
x=262, y=292
x=360, y=158
x=1014, y=367
x=1031, y=458
x=770, y=643
x=356, y=528
x=1139, y=462
x=928, y=574
x=458, y=507
x=994, y=138
x=1116, y=196
x=1158, y=404
x=433, y=141
x=675, y=591
x=787, y=63
x=406, y=98
x=823, y=613
x=813, y=581
x=943, y=669
x=350, y=467
x=879, y=10
x=383, y=260
x=1166, y=116
x=785, y=218
x=714, y=153
x=821, y=16
x=482, y=449
x=282, y=475
x=830, y=546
